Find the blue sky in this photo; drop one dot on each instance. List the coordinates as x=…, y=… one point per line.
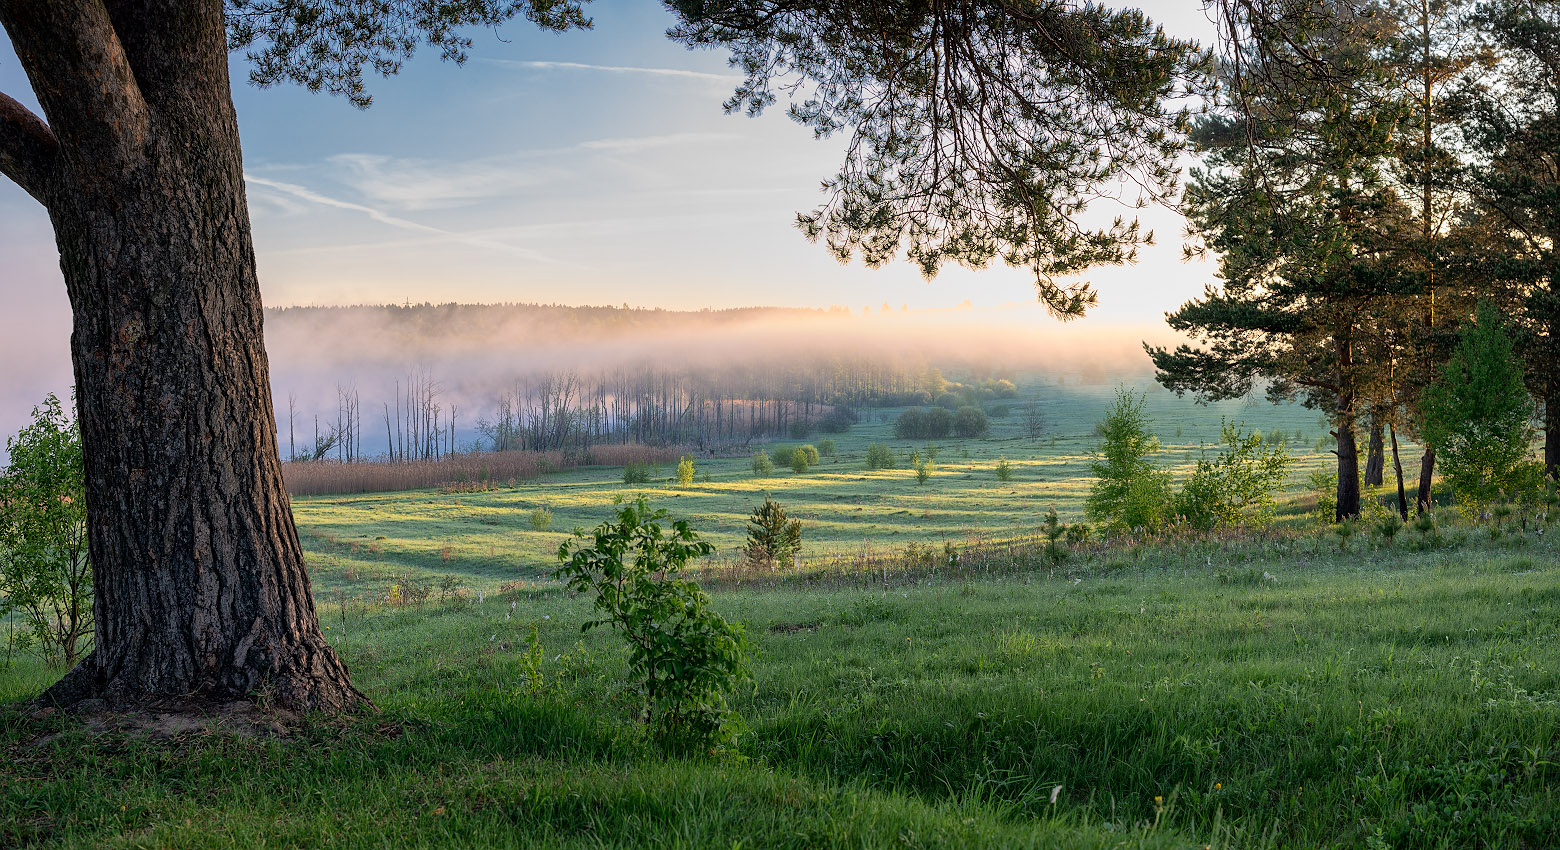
x=590, y=167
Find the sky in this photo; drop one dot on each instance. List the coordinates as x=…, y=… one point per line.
x=592, y=167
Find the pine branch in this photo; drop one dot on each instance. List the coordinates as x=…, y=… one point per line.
x=27, y=148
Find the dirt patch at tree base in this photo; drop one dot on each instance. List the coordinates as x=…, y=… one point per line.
x=171, y=719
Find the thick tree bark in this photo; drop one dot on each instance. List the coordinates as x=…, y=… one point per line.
x=199, y=580
x=1348, y=469
x=1375, y=456
x=1426, y=479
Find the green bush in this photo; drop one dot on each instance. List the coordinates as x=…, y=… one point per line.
x=762, y=465
x=541, y=519
x=799, y=460
x=45, y=570
x=1128, y=491
x=684, y=657
x=1004, y=470
x=826, y=448
x=812, y=454
x=685, y=471
x=949, y=401
x=970, y=422
x=635, y=472
x=1236, y=487
x=799, y=429
x=781, y=455
x=923, y=423
x=773, y=538
x=923, y=471
x=880, y=456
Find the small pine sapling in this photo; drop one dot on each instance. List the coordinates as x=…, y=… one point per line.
x=774, y=539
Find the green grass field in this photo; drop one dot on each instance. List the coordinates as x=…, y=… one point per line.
x=1267, y=695
x=359, y=544
x=1293, y=691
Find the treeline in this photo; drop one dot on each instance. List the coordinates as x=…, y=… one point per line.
x=700, y=407
x=1371, y=172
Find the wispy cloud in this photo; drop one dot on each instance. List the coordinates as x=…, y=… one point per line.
x=534, y=65
x=307, y=194
x=634, y=144
x=418, y=184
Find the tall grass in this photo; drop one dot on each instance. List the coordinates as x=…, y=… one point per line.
x=479, y=469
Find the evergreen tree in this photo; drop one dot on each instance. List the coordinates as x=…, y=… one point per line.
x=774, y=539
x=1128, y=491
x=1513, y=126
x=1295, y=200
x=1478, y=413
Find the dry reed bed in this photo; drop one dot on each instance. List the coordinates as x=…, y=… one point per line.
x=471, y=470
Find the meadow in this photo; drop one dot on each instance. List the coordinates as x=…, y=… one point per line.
x=358, y=544
x=1290, y=690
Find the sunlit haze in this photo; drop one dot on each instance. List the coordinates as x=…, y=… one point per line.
x=594, y=167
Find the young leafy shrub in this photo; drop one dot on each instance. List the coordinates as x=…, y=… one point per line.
x=1004, y=470
x=1128, y=492
x=812, y=454
x=799, y=429
x=970, y=422
x=685, y=471
x=541, y=519
x=799, y=460
x=949, y=401
x=684, y=657
x=762, y=465
x=635, y=472
x=781, y=455
x=923, y=471
x=1236, y=487
x=826, y=448
x=45, y=571
x=880, y=456
x=773, y=538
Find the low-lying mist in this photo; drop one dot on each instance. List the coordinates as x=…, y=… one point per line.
x=475, y=355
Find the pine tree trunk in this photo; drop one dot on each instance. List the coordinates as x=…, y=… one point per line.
x=1375, y=458
x=199, y=582
x=1397, y=464
x=1426, y=476
x=1348, y=469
